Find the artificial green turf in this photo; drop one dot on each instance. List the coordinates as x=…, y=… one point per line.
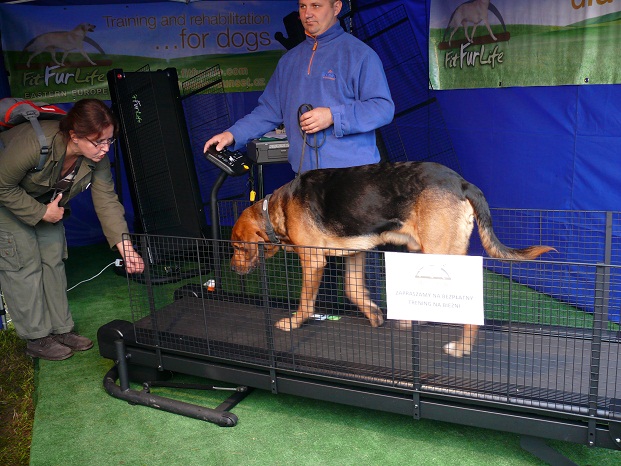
x=78, y=423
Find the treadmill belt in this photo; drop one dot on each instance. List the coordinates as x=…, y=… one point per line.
x=518, y=365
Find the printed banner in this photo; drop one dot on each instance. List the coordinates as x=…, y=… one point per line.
x=523, y=43
x=434, y=288
x=61, y=54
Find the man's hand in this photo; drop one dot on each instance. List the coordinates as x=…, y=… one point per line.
x=221, y=141
x=316, y=120
x=54, y=212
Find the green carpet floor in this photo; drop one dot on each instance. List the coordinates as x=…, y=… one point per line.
x=78, y=423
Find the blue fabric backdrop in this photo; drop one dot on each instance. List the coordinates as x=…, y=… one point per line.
x=532, y=147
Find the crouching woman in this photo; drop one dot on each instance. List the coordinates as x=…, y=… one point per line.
x=32, y=207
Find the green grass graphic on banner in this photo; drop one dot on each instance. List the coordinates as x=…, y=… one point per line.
x=583, y=52
x=51, y=83
x=62, y=54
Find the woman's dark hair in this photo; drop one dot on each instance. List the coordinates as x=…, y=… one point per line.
x=88, y=117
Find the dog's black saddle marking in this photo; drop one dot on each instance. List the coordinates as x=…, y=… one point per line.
x=369, y=199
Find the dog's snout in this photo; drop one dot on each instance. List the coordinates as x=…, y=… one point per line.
x=236, y=268
x=241, y=265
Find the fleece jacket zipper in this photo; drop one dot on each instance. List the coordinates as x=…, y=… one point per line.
x=310, y=63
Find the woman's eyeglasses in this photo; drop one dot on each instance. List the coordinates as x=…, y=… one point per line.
x=101, y=142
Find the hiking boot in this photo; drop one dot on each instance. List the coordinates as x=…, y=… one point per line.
x=48, y=348
x=74, y=341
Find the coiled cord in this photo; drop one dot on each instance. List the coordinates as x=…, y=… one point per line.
x=315, y=144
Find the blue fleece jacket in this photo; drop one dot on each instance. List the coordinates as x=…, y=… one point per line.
x=334, y=70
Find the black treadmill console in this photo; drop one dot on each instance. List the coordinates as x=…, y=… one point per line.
x=233, y=163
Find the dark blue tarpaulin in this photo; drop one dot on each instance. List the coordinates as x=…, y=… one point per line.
x=530, y=147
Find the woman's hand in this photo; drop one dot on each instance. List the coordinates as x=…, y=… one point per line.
x=131, y=259
x=54, y=212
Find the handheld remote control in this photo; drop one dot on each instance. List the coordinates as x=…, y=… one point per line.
x=233, y=163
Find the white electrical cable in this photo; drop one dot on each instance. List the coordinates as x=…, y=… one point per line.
x=117, y=262
x=89, y=279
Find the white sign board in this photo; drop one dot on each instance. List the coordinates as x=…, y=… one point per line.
x=434, y=288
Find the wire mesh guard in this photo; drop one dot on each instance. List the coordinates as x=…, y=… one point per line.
x=418, y=131
x=207, y=114
x=550, y=341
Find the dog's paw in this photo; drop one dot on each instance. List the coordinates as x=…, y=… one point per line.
x=456, y=349
x=407, y=324
x=284, y=324
x=287, y=324
x=403, y=324
x=377, y=319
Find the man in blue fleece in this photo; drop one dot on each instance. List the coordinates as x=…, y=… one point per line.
x=330, y=92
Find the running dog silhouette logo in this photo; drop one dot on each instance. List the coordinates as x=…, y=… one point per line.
x=472, y=14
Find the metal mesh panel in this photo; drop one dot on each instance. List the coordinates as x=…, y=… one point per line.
x=581, y=239
x=228, y=212
x=537, y=350
x=145, y=136
x=156, y=151
x=418, y=131
x=578, y=236
x=207, y=114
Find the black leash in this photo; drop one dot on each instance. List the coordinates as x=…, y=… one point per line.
x=315, y=145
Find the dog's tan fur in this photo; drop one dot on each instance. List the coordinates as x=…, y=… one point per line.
x=65, y=41
x=430, y=209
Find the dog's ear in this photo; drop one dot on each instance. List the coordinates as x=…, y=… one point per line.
x=246, y=226
x=246, y=233
x=260, y=233
x=270, y=248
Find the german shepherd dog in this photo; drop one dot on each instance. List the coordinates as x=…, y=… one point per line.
x=425, y=206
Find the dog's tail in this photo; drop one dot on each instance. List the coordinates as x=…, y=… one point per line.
x=490, y=242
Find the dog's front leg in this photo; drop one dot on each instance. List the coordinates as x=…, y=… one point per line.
x=471, y=37
x=313, y=263
x=87, y=57
x=489, y=29
x=357, y=292
x=53, y=55
x=452, y=34
x=31, y=57
x=64, y=58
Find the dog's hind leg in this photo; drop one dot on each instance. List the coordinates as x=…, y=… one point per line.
x=65, y=55
x=38, y=52
x=452, y=34
x=474, y=29
x=463, y=346
x=313, y=262
x=356, y=290
x=30, y=59
x=445, y=227
x=468, y=38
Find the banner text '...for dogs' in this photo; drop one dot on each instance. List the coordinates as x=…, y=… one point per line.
x=190, y=39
